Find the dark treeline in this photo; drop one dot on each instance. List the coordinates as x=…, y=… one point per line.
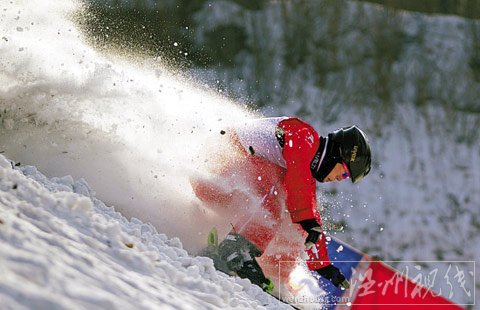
x=464, y=8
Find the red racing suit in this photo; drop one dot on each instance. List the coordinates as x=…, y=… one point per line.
x=280, y=176
x=300, y=145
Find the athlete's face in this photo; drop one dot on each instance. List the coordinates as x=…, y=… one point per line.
x=338, y=173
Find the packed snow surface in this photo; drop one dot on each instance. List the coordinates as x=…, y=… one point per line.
x=61, y=248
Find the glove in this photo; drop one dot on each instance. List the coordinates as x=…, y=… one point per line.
x=333, y=274
x=314, y=231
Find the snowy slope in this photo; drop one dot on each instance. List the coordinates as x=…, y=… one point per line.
x=125, y=128
x=61, y=248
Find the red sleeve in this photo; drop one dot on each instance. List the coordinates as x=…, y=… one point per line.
x=300, y=144
x=318, y=255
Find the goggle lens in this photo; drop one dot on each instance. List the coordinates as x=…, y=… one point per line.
x=345, y=174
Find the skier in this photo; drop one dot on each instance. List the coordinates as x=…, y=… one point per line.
x=278, y=161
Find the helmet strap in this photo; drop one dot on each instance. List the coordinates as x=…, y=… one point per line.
x=325, y=159
x=319, y=156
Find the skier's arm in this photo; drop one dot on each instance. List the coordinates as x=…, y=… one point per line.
x=300, y=188
x=318, y=259
x=299, y=184
x=317, y=249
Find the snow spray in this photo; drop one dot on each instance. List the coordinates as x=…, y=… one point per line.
x=133, y=133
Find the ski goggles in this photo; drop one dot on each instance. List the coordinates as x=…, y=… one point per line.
x=345, y=174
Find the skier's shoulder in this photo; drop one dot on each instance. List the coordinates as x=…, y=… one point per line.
x=296, y=124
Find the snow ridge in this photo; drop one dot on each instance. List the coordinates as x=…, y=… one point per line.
x=63, y=248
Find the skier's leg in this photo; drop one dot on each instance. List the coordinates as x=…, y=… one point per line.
x=258, y=223
x=239, y=255
x=224, y=181
x=258, y=227
x=283, y=254
x=252, y=188
x=216, y=195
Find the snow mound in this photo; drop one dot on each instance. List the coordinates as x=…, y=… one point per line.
x=61, y=248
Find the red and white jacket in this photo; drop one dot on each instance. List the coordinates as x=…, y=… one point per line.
x=300, y=143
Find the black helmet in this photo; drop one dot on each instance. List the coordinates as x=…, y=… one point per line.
x=354, y=151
